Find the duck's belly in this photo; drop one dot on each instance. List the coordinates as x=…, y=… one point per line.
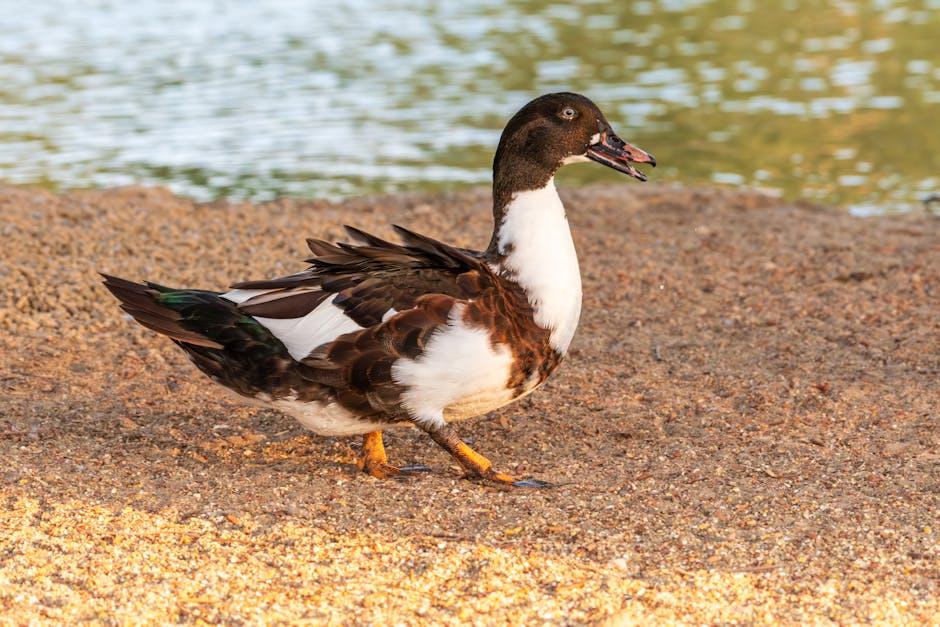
x=480, y=403
x=483, y=403
x=333, y=420
x=323, y=418
x=330, y=418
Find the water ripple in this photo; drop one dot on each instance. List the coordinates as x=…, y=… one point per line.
x=258, y=100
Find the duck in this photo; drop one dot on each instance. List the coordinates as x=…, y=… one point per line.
x=374, y=335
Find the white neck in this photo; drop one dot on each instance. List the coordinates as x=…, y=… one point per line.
x=535, y=242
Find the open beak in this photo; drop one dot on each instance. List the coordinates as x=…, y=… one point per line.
x=615, y=153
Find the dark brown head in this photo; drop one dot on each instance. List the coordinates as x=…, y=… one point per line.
x=554, y=130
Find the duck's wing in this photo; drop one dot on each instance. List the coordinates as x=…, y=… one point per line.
x=352, y=287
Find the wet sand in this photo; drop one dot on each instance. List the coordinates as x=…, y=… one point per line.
x=748, y=428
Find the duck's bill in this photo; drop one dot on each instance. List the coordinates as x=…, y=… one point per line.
x=615, y=153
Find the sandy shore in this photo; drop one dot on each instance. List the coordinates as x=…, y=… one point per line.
x=748, y=426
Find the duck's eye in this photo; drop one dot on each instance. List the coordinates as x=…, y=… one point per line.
x=568, y=113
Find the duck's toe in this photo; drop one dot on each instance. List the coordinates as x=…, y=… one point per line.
x=508, y=480
x=414, y=469
x=384, y=470
x=533, y=483
x=380, y=470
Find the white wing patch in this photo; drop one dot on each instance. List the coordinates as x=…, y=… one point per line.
x=240, y=296
x=459, y=375
x=301, y=335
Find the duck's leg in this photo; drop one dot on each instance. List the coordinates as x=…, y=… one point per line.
x=374, y=461
x=475, y=464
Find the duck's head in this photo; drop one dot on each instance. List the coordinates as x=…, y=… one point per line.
x=557, y=129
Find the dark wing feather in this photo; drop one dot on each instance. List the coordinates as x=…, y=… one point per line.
x=371, y=277
x=287, y=304
x=421, y=278
x=358, y=366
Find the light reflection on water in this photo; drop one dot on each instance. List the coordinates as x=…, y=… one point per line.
x=837, y=101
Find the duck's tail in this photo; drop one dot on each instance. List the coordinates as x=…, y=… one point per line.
x=187, y=316
x=225, y=343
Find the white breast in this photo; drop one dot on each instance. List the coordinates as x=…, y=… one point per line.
x=535, y=237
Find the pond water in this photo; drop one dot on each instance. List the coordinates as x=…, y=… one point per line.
x=837, y=101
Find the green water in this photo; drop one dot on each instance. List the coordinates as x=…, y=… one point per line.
x=835, y=101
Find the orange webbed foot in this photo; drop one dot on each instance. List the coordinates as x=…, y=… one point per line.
x=476, y=465
x=374, y=461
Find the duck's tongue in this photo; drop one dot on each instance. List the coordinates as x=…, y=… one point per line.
x=615, y=153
